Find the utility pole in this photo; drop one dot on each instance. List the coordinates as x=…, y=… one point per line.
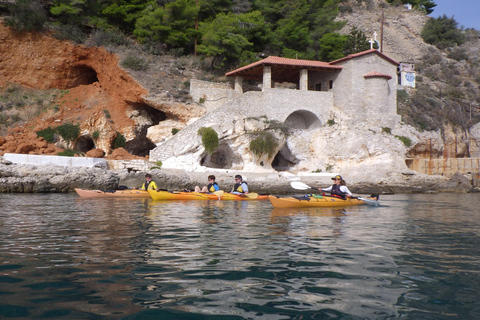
x=196, y=31
x=381, y=32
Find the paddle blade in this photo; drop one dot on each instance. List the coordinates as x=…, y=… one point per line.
x=300, y=185
x=370, y=202
x=251, y=195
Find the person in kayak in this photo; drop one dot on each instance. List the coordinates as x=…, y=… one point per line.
x=338, y=189
x=210, y=188
x=149, y=184
x=240, y=186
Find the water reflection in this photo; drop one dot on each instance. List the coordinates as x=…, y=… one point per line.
x=231, y=258
x=65, y=257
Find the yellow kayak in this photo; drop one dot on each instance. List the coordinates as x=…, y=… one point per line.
x=172, y=195
x=316, y=201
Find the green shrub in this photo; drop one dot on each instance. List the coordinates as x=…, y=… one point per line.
x=386, y=130
x=458, y=54
x=119, y=141
x=113, y=37
x=26, y=15
x=402, y=96
x=442, y=32
x=48, y=134
x=107, y=114
x=331, y=122
x=264, y=143
x=278, y=126
x=406, y=141
x=96, y=135
x=175, y=131
x=134, y=63
x=209, y=139
x=68, y=131
x=158, y=165
x=67, y=153
x=69, y=32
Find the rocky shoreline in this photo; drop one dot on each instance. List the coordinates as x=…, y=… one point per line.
x=23, y=178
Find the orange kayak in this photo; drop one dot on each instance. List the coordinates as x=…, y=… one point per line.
x=127, y=193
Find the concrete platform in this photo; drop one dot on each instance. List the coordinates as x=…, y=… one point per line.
x=39, y=160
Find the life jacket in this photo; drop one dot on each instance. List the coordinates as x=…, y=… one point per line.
x=238, y=187
x=211, y=187
x=145, y=185
x=336, y=192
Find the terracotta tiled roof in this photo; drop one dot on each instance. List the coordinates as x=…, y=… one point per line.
x=359, y=54
x=279, y=66
x=375, y=74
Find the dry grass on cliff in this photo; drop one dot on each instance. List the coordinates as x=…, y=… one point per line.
x=19, y=104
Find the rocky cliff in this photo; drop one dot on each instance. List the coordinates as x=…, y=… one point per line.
x=93, y=90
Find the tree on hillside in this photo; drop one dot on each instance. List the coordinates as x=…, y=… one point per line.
x=123, y=14
x=442, y=32
x=356, y=42
x=172, y=24
x=231, y=38
x=298, y=25
x=332, y=46
x=29, y=15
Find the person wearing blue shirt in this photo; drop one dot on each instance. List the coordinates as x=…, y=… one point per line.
x=240, y=186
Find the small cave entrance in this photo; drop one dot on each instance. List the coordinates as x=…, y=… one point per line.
x=141, y=145
x=84, y=144
x=222, y=158
x=145, y=117
x=83, y=75
x=302, y=119
x=284, y=160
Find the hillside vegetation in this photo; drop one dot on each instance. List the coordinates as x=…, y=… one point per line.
x=204, y=40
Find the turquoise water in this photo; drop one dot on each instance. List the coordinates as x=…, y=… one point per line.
x=64, y=257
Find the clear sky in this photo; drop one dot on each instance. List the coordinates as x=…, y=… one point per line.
x=465, y=12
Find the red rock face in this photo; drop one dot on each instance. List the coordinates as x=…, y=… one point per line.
x=95, y=88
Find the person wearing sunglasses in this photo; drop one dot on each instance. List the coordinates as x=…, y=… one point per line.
x=338, y=189
x=240, y=186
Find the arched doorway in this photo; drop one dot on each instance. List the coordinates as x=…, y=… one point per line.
x=302, y=119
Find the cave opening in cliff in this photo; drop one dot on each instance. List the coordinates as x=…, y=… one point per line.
x=84, y=144
x=145, y=117
x=284, y=160
x=302, y=119
x=222, y=158
x=83, y=75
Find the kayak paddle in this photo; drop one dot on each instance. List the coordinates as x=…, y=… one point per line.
x=302, y=186
x=251, y=195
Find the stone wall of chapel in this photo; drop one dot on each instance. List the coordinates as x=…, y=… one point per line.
x=355, y=94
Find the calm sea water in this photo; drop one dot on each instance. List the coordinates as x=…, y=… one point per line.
x=64, y=257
